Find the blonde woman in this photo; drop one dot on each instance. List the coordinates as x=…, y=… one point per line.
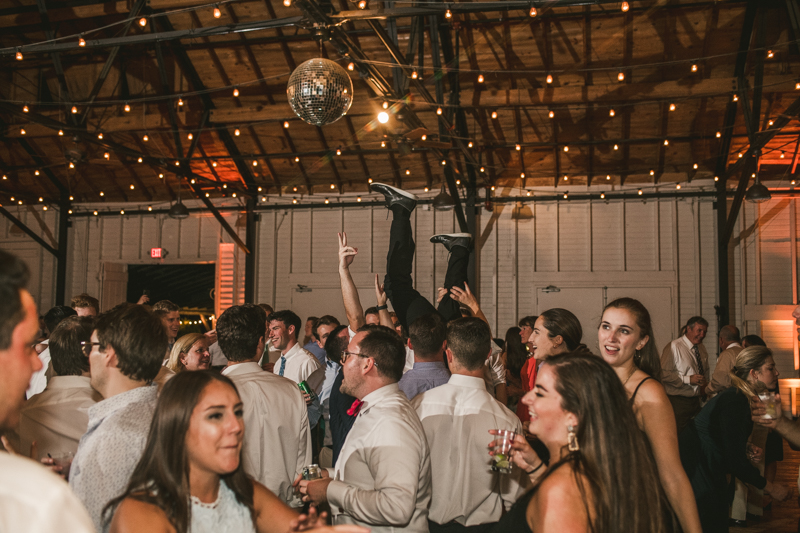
x=714, y=444
x=190, y=352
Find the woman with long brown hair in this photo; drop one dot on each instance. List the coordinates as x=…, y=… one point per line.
x=190, y=477
x=714, y=444
x=627, y=343
x=601, y=477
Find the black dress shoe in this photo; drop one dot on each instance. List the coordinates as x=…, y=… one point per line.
x=737, y=523
x=453, y=239
x=395, y=196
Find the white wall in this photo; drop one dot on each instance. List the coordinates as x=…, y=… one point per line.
x=664, y=251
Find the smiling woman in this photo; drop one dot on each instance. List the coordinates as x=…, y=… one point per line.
x=190, y=477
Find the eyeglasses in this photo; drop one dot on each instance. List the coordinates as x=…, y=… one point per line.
x=346, y=354
x=87, y=346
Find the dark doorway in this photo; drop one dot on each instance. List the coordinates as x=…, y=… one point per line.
x=189, y=286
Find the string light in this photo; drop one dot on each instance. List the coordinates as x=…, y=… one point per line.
x=458, y=182
x=143, y=22
x=71, y=164
x=608, y=177
x=383, y=144
x=469, y=145
x=41, y=199
x=494, y=114
x=640, y=192
x=217, y=12
x=483, y=169
x=36, y=172
x=770, y=54
x=438, y=110
x=139, y=160
x=161, y=176
x=694, y=68
x=235, y=92
x=19, y=55
x=60, y=133
x=351, y=66
x=294, y=200
x=385, y=105
x=672, y=107
x=678, y=186
x=327, y=201
x=611, y=113
x=566, y=195
x=22, y=131
x=338, y=151
x=666, y=142
x=296, y=159
x=652, y=172
x=694, y=166
x=424, y=137
x=408, y=172
x=566, y=178
x=145, y=138
x=528, y=193
x=716, y=178
x=358, y=199
x=532, y=13
x=255, y=163
x=797, y=86
x=480, y=78
x=783, y=155
x=102, y=193
x=237, y=132
x=719, y=134
x=149, y=207
x=549, y=78
x=107, y=155
x=383, y=117
x=426, y=189
x=180, y=102
x=735, y=98
x=566, y=148
x=602, y=195
x=625, y=7
x=121, y=211
x=127, y=107
x=214, y=164
x=190, y=136
x=369, y=180
x=522, y=175
x=74, y=110
x=448, y=14
x=287, y=3
x=362, y=4
x=444, y=162
x=286, y=124
x=771, y=122
x=414, y=75
x=616, y=147
x=81, y=42
x=621, y=76
x=518, y=148
x=95, y=213
x=25, y=108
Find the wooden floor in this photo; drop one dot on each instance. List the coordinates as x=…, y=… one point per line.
x=784, y=516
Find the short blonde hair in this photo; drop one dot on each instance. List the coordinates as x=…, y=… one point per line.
x=182, y=345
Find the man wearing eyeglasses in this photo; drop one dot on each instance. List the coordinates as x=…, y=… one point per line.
x=127, y=347
x=382, y=477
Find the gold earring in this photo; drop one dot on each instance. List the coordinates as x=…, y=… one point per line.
x=572, y=439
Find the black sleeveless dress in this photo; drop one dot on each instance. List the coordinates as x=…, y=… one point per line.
x=515, y=520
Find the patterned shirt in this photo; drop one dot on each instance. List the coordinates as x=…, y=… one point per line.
x=111, y=448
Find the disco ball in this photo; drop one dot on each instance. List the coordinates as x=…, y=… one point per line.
x=320, y=91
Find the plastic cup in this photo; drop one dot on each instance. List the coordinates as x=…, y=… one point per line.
x=769, y=405
x=64, y=460
x=502, y=451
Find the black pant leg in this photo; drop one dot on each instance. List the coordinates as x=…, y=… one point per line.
x=456, y=276
x=406, y=301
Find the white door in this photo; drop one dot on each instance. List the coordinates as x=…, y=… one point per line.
x=114, y=285
x=586, y=303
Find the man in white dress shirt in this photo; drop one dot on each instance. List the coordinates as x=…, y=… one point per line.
x=457, y=417
x=51, y=321
x=32, y=499
x=277, y=442
x=57, y=418
x=382, y=478
x=685, y=372
x=298, y=364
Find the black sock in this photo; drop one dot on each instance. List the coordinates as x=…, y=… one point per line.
x=400, y=211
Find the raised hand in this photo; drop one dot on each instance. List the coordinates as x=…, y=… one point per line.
x=346, y=253
x=380, y=295
x=464, y=296
x=441, y=292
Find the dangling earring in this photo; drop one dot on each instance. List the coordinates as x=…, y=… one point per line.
x=572, y=439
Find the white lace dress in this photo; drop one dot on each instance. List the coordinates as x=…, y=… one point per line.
x=226, y=515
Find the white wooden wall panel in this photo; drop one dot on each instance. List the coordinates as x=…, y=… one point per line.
x=487, y=248
x=574, y=244
x=325, y=225
x=641, y=236
x=283, y=236
x=358, y=226
x=776, y=278
x=507, y=264
x=546, y=237
x=666, y=221
x=526, y=241
x=607, y=247
x=708, y=264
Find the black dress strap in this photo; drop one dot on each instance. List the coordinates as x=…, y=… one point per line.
x=636, y=390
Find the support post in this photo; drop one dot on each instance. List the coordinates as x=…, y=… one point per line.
x=61, y=258
x=250, y=259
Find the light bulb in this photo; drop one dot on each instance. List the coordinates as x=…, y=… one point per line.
x=469, y=145
x=235, y=92
x=616, y=147
x=719, y=134
x=672, y=107
x=444, y=162
x=483, y=169
x=735, y=98
x=145, y=138
x=327, y=201
x=424, y=137
x=255, y=163
x=81, y=42
x=287, y=3
x=625, y=7
x=566, y=148
x=338, y=151
x=71, y=164
x=640, y=192
x=214, y=164
x=127, y=107
x=480, y=78
x=383, y=144
x=549, y=78
x=190, y=136
x=566, y=195
x=611, y=113
x=716, y=178
x=608, y=177
x=694, y=166
x=22, y=131
x=621, y=76
x=19, y=55
x=294, y=200
x=448, y=14
x=566, y=178
x=286, y=124
x=678, y=186
x=44, y=208
x=783, y=155
x=414, y=75
x=25, y=109
x=140, y=160
x=161, y=176
x=438, y=110
x=522, y=175
x=60, y=133
x=770, y=54
x=143, y=22
x=518, y=148
x=358, y=199
x=107, y=155
x=494, y=114
x=180, y=102
x=602, y=195
x=551, y=114
x=408, y=172
x=532, y=13
x=771, y=122
x=351, y=66
x=383, y=117
x=694, y=68
x=237, y=132
x=362, y=4
x=217, y=12
x=666, y=142
x=74, y=110
x=652, y=172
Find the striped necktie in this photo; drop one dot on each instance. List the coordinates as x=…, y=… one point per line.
x=697, y=360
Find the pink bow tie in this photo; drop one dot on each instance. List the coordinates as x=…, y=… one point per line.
x=355, y=408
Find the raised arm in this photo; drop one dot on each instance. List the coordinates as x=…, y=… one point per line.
x=352, y=304
x=465, y=297
x=383, y=310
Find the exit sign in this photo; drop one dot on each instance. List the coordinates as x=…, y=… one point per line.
x=157, y=253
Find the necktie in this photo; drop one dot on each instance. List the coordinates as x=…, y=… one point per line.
x=355, y=408
x=697, y=360
x=283, y=366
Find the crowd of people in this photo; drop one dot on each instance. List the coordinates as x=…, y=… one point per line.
x=420, y=419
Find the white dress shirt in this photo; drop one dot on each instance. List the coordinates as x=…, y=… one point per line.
x=34, y=500
x=111, y=448
x=382, y=478
x=58, y=417
x=457, y=417
x=678, y=365
x=277, y=442
x=39, y=378
x=301, y=365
